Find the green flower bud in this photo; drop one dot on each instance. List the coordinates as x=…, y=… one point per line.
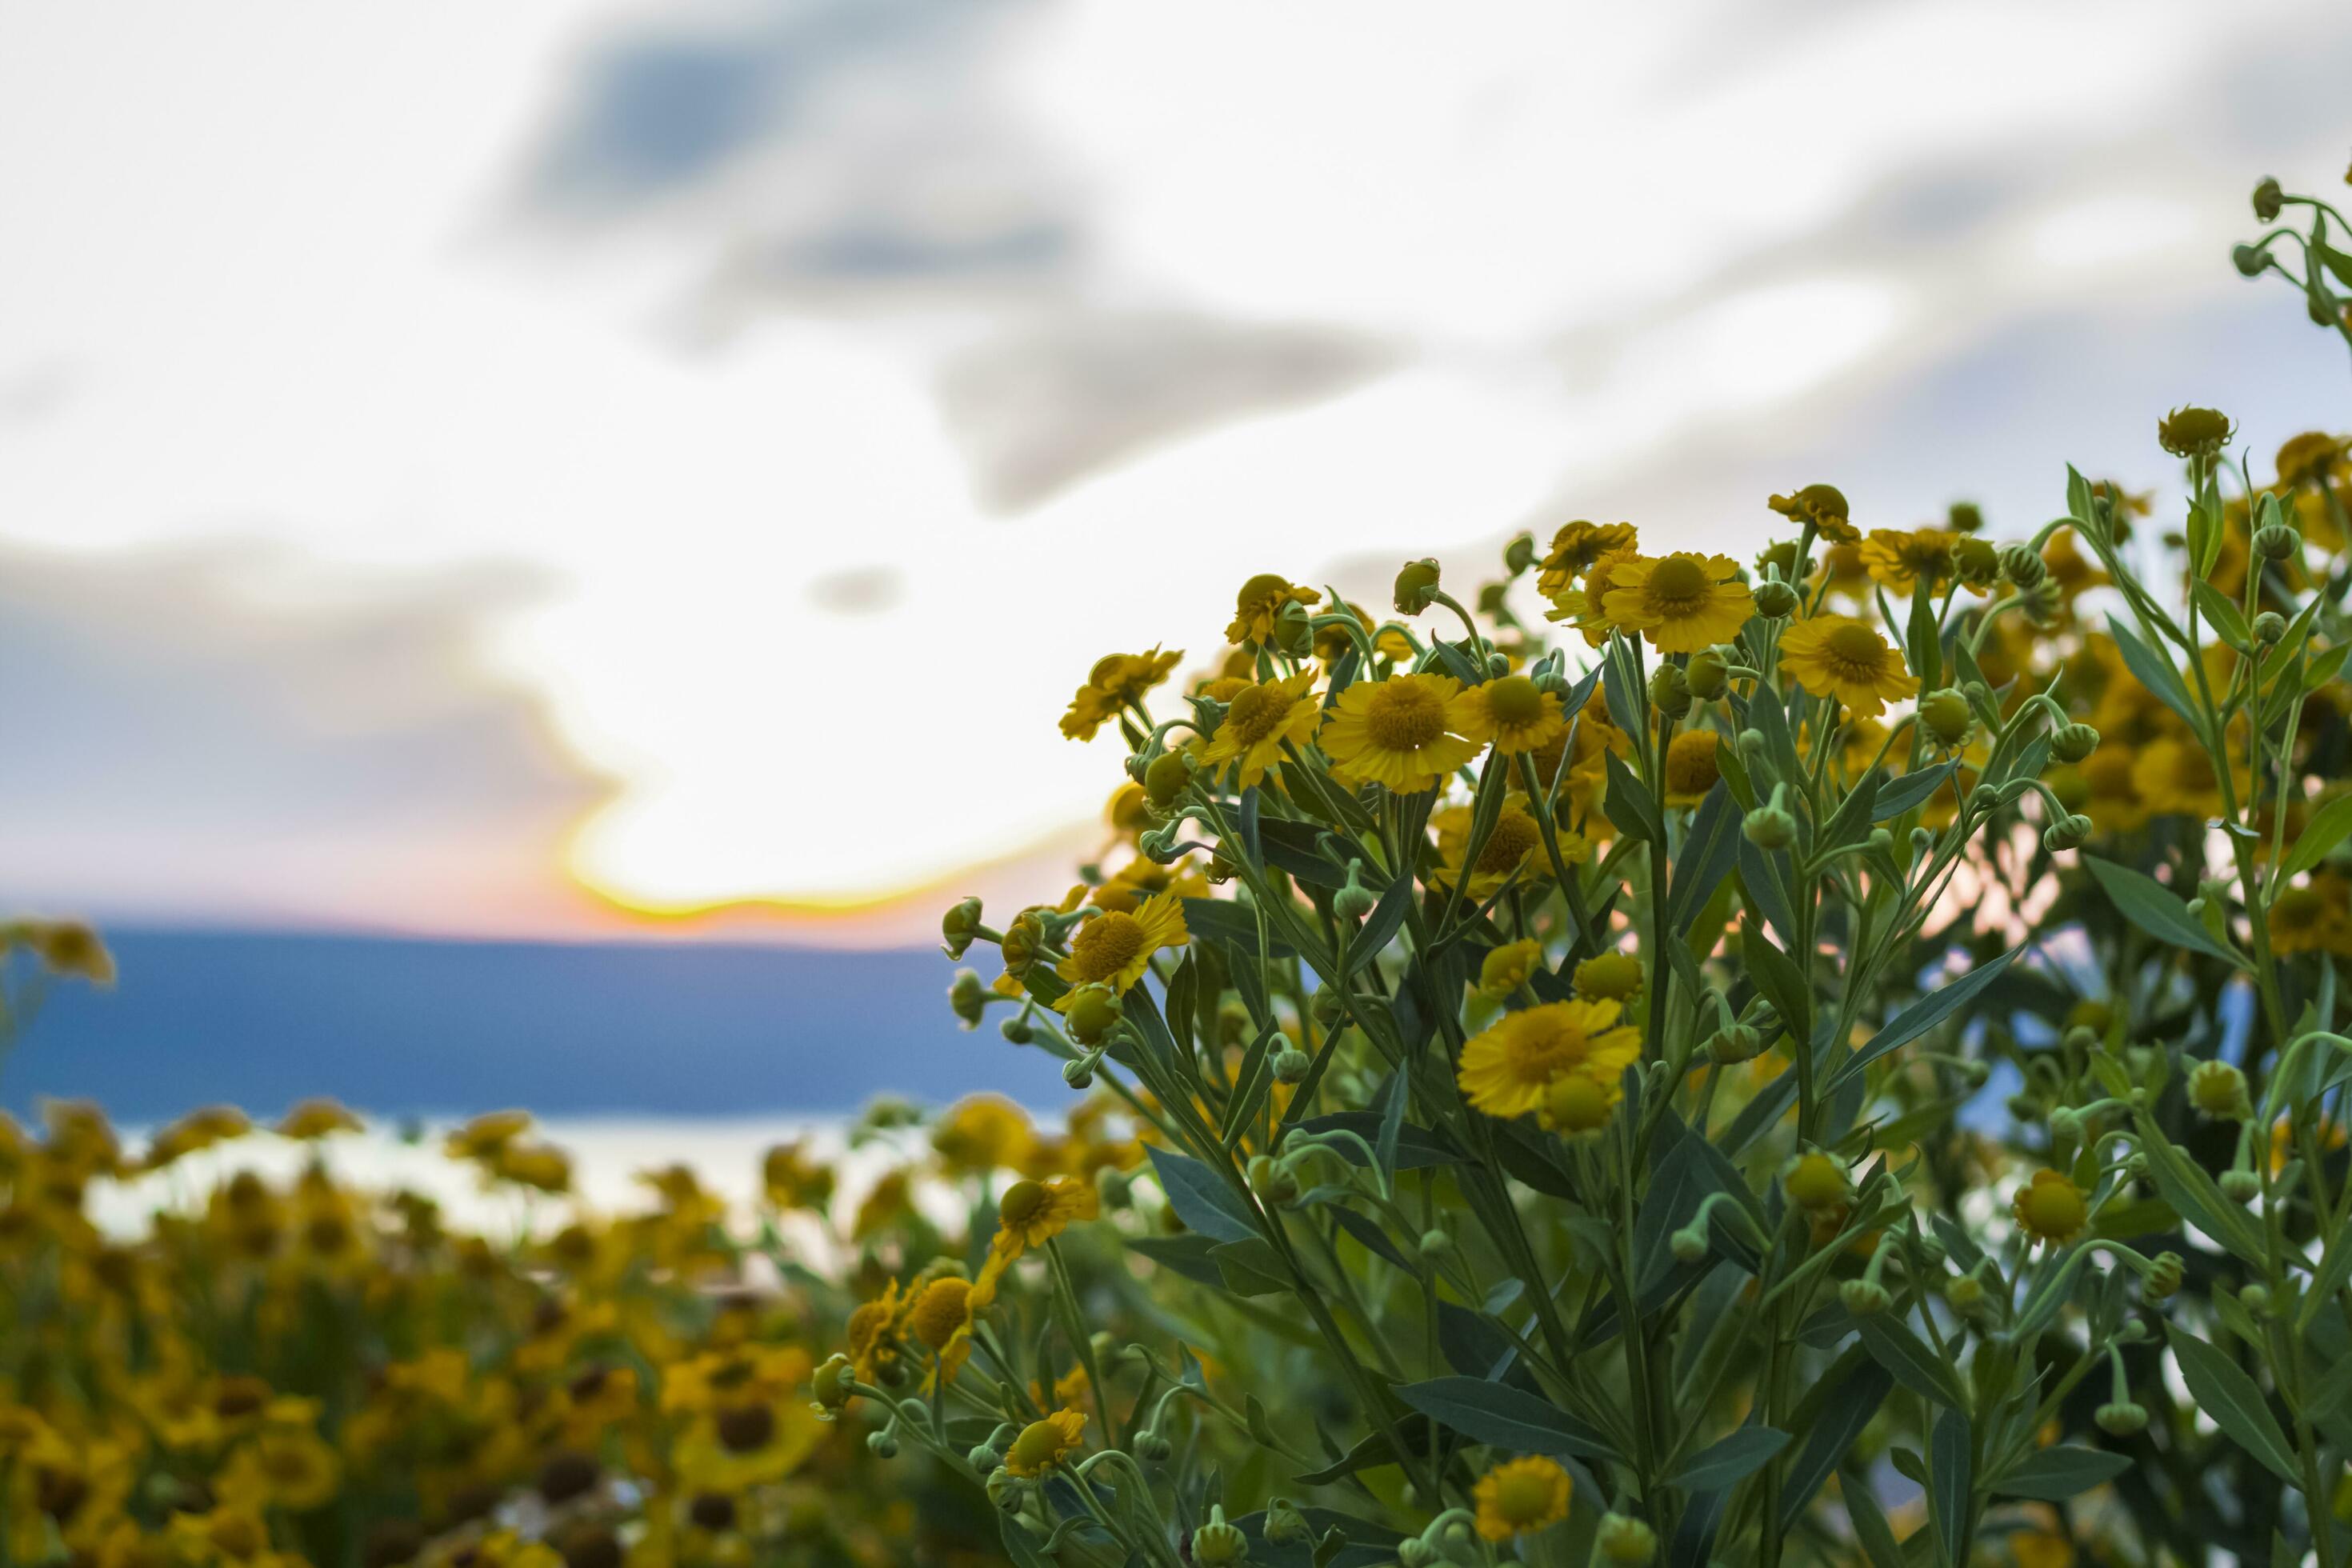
x=2241, y=1187
x=2249, y=260
x=1947, y=717
x=1965, y=1294
x=1977, y=561
x=1292, y=1065
x=2255, y=1299
x=983, y=1458
x=1355, y=901
x=1775, y=600
x=2277, y=541
x=2073, y=742
x=1151, y=1446
x=2121, y=1420
x=2163, y=1279
x=1436, y=1242
x=1864, y=1297
x=2069, y=832
x=1016, y=1030
x=1273, y=1182
x=1689, y=1245
x=959, y=925
x=2023, y=566
x=2270, y=628
x=1165, y=777
x=1005, y=1489
x=1092, y=1012
x=884, y=1444
x=2219, y=1089
x=1412, y=1552
x=2194, y=432
x=1416, y=586
x=1286, y=1526
x=967, y=997
x=2268, y=199
x=1217, y=1544
x=1520, y=554
x=1709, y=674
x=1079, y=1073
x=1769, y=827
x=1624, y=1540
x=1670, y=692
x=1734, y=1044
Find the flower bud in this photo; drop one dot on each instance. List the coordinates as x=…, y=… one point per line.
x=1005, y=1489
x=2073, y=742
x=1092, y=1012
x=2270, y=628
x=2219, y=1089
x=1416, y=586
x=2023, y=566
x=1436, y=1242
x=1286, y=1526
x=1965, y=1294
x=1708, y=674
x=1947, y=717
x=2248, y=259
x=1520, y=554
x=959, y=926
x=2065, y=1125
x=1217, y=1544
x=967, y=996
x=983, y=1458
x=1292, y=1065
x=1864, y=1297
x=2194, y=432
x=1165, y=777
x=1815, y=1182
x=1355, y=901
x=2255, y=1299
x=1016, y=1030
x=1775, y=600
x=2122, y=1419
x=883, y=1443
x=1273, y=1182
x=2277, y=541
x=2268, y=199
x=1412, y=1552
x=1769, y=827
x=2241, y=1187
x=1977, y=561
x=1151, y=1446
x=1576, y=1103
x=2163, y=1279
x=830, y=1384
x=1080, y=1072
x=1689, y=1245
x=1625, y=1541
x=1734, y=1044
x=2069, y=832
x=1670, y=692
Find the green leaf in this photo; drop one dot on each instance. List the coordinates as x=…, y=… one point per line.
x=2323, y=832
x=1923, y=1016
x=1783, y=984
x=1251, y=1266
x=2157, y=910
x=2061, y=1471
x=1710, y=851
x=1894, y=1346
x=1629, y=803
x=2227, y=618
x=1951, y=1485
x=2224, y=1392
x=1719, y=1464
x=1844, y=1415
x=1504, y=1417
x=2186, y=1186
x=1229, y=921
x=1201, y=1200
x=2154, y=672
x=1911, y=789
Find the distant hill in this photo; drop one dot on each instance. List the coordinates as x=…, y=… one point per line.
x=397, y=1027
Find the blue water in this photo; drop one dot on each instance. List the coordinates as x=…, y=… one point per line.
x=399, y=1027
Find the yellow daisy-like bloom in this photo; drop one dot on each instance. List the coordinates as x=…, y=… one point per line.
x=1837, y=655
x=1259, y=604
x=1899, y=558
x=1116, y=680
x=1506, y=968
x=1692, y=766
x=1824, y=507
x=2304, y=920
x=874, y=1331
x=1609, y=977
x=1114, y=949
x=941, y=1319
x=1260, y=719
x=1520, y=1497
x=1575, y=548
x=1506, y=1068
x=1028, y=1216
x=1515, y=841
x=1125, y=890
x=1583, y=606
x=1046, y=1445
x=1682, y=602
x=2050, y=1207
x=1399, y=733
x=1512, y=712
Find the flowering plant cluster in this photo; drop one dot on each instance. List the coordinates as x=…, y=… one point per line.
x=1833, y=1055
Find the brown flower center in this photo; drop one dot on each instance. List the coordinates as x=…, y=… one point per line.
x=1515, y=701
x=1856, y=649
x=1403, y=716
x=1023, y=1201
x=1514, y=835
x=1106, y=945
x=1677, y=582
x=1257, y=713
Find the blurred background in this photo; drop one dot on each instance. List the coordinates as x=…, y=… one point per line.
x=541, y=543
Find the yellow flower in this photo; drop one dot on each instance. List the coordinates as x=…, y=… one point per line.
x=1899, y=559
x=1126, y=888
x=2050, y=1207
x=1574, y=551
x=1682, y=602
x=1692, y=766
x=1515, y=839
x=1114, y=949
x=2310, y=918
x=1116, y=680
x=980, y=1133
x=2034, y=1549
x=941, y=1319
x=1815, y=1182
x=485, y=1135
x=1031, y=1214
x=1400, y=733
x=1260, y=720
x=1506, y=1068
x=1512, y=712
x=1046, y=1445
x=1584, y=607
x=316, y=1119
x=1259, y=604
x=1520, y=1497
x=1837, y=655
x=1609, y=977
x=1824, y=507
x=1506, y=968
x=873, y=1333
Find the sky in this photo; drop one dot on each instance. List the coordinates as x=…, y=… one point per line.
x=513, y=470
